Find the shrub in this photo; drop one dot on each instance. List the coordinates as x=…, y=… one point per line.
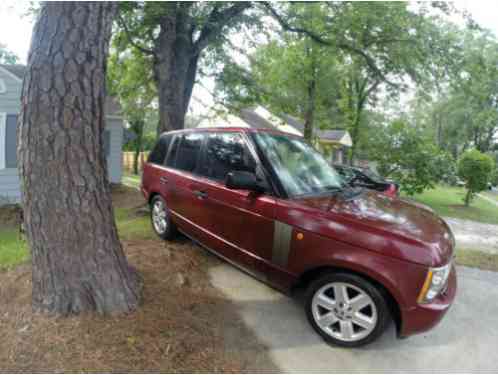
x=475, y=169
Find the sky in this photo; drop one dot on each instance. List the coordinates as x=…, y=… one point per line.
x=16, y=27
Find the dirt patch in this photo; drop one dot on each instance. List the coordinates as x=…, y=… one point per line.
x=126, y=197
x=184, y=324
x=10, y=215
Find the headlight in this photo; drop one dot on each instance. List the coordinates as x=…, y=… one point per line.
x=435, y=282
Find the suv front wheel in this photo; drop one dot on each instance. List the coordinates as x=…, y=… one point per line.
x=346, y=310
x=161, y=219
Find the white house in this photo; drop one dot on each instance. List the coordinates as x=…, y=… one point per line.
x=11, y=77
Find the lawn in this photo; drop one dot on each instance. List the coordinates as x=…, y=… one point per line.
x=448, y=201
x=133, y=224
x=13, y=249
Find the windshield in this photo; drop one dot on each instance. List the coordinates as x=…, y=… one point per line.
x=301, y=169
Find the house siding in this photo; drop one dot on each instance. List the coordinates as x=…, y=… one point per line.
x=10, y=190
x=9, y=186
x=10, y=101
x=115, y=158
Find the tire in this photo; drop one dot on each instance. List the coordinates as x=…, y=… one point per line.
x=364, y=314
x=161, y=219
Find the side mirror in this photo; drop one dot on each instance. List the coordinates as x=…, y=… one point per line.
x=239, y=180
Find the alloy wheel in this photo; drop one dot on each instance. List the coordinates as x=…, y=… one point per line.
x=159, y=218
x=344, y=311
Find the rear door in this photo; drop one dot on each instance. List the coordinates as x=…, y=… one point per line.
x=183, y=182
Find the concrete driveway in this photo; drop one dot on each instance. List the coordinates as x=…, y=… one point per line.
x=465, y=341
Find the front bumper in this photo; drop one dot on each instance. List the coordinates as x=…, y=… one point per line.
x=423, y=317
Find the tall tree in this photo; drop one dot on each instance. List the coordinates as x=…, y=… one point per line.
x=174, y=35
x=77, y=259
x=378, y=46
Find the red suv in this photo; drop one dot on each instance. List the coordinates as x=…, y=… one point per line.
x=272, y=205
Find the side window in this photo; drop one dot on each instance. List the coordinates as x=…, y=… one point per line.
x=226, y=152
x=171, y=155
x=158, y=154
x=188, y=151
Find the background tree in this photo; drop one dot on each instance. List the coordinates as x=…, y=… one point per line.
x=78, y=262
x=6, y=56
x=174, y=35
x=353, y=50
x=405, y=154
x=131, y=80
x=475, y=169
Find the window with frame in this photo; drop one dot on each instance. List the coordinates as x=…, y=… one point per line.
x=189, y=150
x=158, y=154
x=224, y=153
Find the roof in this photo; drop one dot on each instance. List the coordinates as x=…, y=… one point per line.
x=254, y=119
x=112, y=106
x=333, y=135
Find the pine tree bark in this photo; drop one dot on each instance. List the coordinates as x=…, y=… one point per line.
x=78, y=263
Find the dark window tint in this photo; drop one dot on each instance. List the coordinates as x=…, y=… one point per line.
x=189, y=151
x=226, y=152
x=158, y=154
x=171, y=156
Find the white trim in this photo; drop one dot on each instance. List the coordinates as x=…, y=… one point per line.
x=11, y=75
x=3, y=133
x=3, y=86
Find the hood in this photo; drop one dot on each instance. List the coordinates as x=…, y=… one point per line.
x=393, y=226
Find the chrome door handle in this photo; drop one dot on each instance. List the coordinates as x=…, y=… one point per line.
x=163, y=180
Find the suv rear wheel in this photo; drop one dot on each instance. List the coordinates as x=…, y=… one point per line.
x=346, y=310
x=161, y=219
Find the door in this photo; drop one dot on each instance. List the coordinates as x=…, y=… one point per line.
x=241, y=220
x=182, y=188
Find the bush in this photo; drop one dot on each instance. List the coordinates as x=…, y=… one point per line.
x=475, y=169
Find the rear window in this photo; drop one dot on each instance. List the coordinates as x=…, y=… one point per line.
x=159, y=152
x=189, y=150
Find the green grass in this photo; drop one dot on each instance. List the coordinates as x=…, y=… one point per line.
x=448, y=201
x=13, y=249
x=132, y=180
x=477, y=259
x=131, y=226
x=493, y=196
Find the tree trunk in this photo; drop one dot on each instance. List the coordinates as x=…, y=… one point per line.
x=78, y=262
x=175, y=67
x=468, y=197
x=309, y=115
x=139, y=129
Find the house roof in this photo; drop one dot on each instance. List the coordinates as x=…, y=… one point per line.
x=336, y=135
x=254, y=119
x=112, y=106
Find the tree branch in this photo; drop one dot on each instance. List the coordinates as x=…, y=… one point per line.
x=142, y=49
x=327, y=42
x=215, y=23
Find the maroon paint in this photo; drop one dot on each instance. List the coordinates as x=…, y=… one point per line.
x=387, y=239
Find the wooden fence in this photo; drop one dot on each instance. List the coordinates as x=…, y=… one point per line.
x=128, y=161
